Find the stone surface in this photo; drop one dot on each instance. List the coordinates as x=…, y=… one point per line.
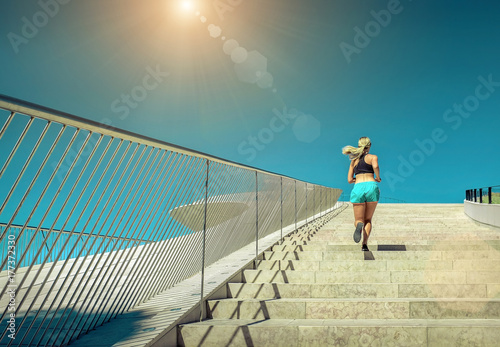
x=432, y=277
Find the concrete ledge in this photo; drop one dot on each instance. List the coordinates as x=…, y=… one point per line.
x=483, y=213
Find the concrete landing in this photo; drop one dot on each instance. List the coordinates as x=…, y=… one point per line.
x=431, y=278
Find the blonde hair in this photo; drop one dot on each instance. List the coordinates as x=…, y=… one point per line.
x=355, y=153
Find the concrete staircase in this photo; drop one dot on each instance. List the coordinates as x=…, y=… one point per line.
x=431, y=278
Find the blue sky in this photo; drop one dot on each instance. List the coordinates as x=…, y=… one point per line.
x=281, y=85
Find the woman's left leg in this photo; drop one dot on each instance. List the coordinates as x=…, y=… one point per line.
x=369, y=210
x=359, y=212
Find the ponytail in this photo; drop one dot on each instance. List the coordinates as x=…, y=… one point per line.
x=356, y=152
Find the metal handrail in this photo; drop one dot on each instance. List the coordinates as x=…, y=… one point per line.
x=96, y=220
x=38, y=111
x=479, y=194
x=37, y=237
x=3, y=225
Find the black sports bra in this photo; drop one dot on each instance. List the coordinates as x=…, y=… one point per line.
x=363, y=167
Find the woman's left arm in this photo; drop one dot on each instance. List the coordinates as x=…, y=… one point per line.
x=350, y=174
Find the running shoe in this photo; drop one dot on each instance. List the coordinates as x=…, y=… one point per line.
x=364, y=248
x=357, y=232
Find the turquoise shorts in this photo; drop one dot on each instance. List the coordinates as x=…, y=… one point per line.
x=365, y=192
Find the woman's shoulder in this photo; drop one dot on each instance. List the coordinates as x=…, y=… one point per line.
x=370, y=157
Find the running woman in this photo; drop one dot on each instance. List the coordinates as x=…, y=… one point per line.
x=364, y=173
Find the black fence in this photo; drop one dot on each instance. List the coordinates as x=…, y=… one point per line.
x=485, y=195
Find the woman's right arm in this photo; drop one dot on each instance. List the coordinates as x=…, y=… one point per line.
x=376, y=168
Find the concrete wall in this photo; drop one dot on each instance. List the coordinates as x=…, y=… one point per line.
x=483, y=213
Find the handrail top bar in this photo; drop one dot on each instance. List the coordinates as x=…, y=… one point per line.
x=30, y=109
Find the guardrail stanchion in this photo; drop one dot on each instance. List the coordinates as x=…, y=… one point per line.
x=320, y=201
x=295, y=181
x=306, y=202
x=204, y=244
x=314, y=202
x=482, y=195
x=256, y=218
x=281, y=207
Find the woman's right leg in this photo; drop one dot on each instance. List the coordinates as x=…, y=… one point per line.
x=359, y=212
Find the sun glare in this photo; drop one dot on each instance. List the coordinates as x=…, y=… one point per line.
x=186, y=5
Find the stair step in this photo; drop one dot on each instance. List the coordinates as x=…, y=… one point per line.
x=377, y=265
x=406, y=308
x=418, y=242
x=296, y=276
x=345, y=332
x=423, y=276
x=381, y=247
x=360, y=290
x=382, y=255
x=388, y=237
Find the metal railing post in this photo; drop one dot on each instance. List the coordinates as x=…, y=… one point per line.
x=203, y=245
x=281, y=207
x=306, y=203
x=481, y=195
x=489, y=195
x=295, y=181
x=314, y=201
x=256, y=218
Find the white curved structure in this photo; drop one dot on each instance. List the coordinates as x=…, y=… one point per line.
x=483, y=213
